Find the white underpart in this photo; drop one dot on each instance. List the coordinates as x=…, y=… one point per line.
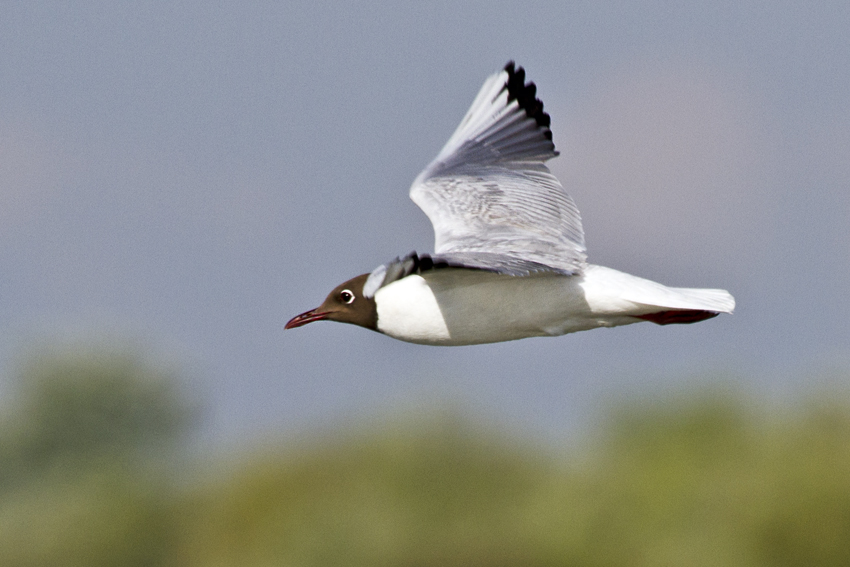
x=459, y=307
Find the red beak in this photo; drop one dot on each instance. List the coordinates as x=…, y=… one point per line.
x=307, y=317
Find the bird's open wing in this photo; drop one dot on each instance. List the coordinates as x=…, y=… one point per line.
x=489, y=194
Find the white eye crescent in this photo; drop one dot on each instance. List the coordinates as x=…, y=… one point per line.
x=346, y=296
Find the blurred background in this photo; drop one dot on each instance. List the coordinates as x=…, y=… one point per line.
x=179, y=179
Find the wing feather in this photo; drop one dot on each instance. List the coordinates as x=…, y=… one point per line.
x=489, y=193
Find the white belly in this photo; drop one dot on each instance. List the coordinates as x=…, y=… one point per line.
x=461, y=307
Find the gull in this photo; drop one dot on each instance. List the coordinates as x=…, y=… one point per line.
x=509, y=257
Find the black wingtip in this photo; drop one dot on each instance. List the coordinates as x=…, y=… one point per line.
x=526, y=96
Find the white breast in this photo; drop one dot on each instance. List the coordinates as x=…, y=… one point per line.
x=408, y=310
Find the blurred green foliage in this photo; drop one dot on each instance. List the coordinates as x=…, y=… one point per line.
x=85, y=454
x=91, y=474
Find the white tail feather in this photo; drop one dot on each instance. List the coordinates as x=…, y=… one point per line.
x=647, y=292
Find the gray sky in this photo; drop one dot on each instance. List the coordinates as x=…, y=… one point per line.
x=192, y=176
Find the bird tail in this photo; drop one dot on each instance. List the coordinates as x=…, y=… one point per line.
x=661, y=304
x=716, y=300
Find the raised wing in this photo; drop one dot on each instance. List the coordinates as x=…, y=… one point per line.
x=489, y=195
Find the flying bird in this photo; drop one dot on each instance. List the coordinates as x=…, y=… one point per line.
x=509, y=257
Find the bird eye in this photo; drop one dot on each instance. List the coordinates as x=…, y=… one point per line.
x=346, y=296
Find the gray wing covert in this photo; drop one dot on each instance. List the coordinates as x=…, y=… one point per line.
x=489, y=193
